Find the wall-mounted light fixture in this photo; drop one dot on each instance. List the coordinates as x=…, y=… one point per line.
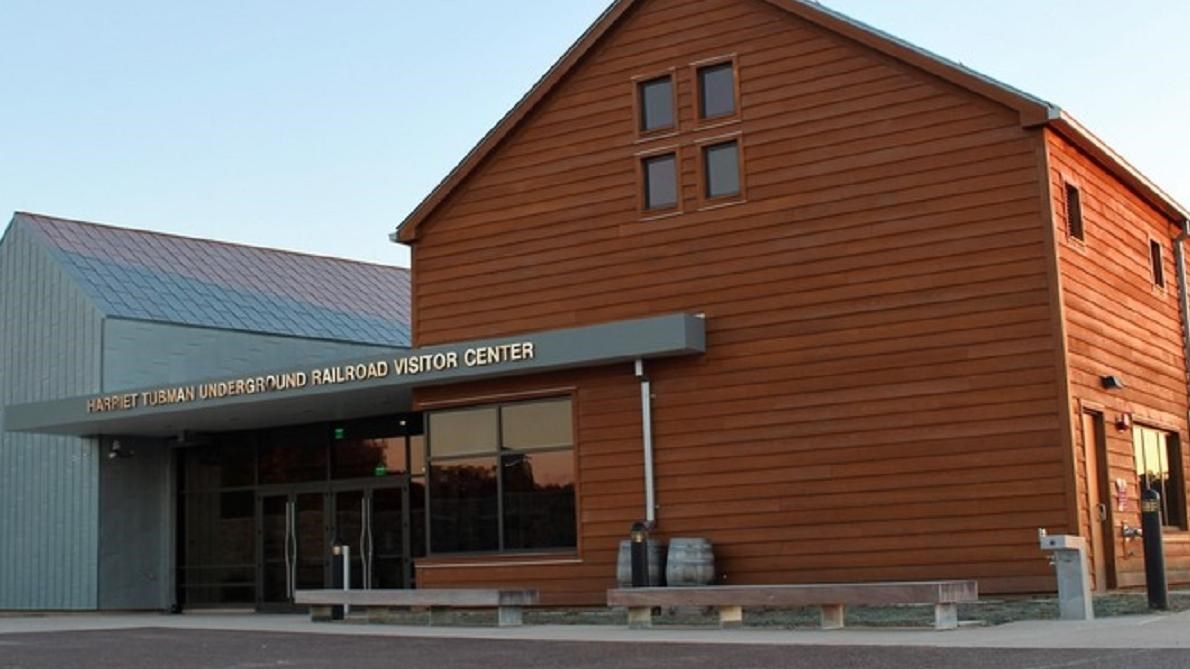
x=117, y=450
x=1124, y=422
x=1111, y=382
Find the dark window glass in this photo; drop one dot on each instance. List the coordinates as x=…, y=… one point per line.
x=417, y=454
x=228, y=463
x=464, y=432
x=527, y=502
x=1074, y=212
x=656, y=104
x=1158, y=466
x=358, y=458
x=722, y=169
x=661, y=182
x=219, y=550
x=1158, y=266
x=716, y=90
x=464, y=505
x=417, y=517
x=538, y=500
x=536, y=425
x=293, y=455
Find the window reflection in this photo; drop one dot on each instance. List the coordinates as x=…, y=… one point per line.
x=463, y=506
x=539, y=500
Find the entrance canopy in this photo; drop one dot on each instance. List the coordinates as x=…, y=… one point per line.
x=354, y=388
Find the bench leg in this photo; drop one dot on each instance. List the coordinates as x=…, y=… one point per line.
x=832, y=616
x=731, y=616
x=946, y=616
x=509, y=616
x=321, y=614
x=640, y=617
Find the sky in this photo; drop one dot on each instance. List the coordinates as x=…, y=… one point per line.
x=318, y=126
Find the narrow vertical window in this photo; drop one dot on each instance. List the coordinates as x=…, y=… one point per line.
x=656, y=101
x=716, y=90
x=1074, y=212
x=721, y=167
x=661, y=181
x=1158, y=265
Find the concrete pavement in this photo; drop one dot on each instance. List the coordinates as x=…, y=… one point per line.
x=1165, y=631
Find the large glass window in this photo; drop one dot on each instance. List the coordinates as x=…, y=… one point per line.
x=518, y=493
x=661, y=181
x=1159, y=468
x=721, y=167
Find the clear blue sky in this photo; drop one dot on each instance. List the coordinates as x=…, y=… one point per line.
x=317, y=126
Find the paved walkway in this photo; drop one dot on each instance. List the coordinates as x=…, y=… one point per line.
x=1149, y=631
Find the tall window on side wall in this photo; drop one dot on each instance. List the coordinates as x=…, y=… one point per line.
x=1157, y=263
x=1159, y=467
x=502, y=478
x=655, y=103
x=1074, y=212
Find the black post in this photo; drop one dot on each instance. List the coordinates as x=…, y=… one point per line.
x=640, y=559
x=1150, y=522
x=337, y=577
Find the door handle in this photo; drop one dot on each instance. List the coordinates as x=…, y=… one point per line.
x=363, y=540
x=1101, y=511
x=371, y=546
x=289, y=549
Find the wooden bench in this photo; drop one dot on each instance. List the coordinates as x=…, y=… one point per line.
x=508, y=603
x=832, y=599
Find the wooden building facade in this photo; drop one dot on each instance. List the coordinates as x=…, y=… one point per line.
x=922, y=289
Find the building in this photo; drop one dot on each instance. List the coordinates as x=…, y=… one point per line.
x=746, y=269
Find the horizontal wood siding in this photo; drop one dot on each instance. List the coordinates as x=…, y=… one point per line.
x=1118, y=322
x=879, y=397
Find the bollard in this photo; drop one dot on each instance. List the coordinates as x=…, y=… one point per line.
x=337, y=562
x=1150, y=522
x=640, y=559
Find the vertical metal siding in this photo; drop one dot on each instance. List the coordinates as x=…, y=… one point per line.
x=49, y=348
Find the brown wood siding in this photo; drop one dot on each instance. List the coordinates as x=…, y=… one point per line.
x=1119, y=323
x=879, y=398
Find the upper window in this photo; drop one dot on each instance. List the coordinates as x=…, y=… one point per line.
x=721, y=169
x=1074, y=212
x=661, y=181
x=656, y=101
x=1157, y=264
x=716, y=90
x=1159, y=468
x=502, y=478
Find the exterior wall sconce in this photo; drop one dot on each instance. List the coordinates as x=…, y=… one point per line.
x=117, y=450
x=1124, y=422
x=1111, y=382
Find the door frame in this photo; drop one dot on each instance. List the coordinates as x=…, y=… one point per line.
x=1101, y=543
x=328, y=491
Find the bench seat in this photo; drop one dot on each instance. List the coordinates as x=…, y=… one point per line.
x=508, y=602
x=832, y=599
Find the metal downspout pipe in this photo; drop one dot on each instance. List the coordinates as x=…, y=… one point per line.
x=1179, y=250
x=646, y=419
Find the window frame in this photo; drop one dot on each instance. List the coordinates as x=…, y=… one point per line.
x=696, y=69
x=705, y=201
x=638, y=108
x=642, y=182
x=1075, y=232
x=1157, y=264
x=1177, y=481
x=498, y=455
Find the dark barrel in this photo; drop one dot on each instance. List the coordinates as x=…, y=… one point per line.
x=691, y=562
x=654, y=551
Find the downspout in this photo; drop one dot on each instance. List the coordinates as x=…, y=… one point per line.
x=646, y=420
x=1179, y=251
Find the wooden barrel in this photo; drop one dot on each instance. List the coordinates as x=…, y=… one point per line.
x=654, y=551
x=691, y=562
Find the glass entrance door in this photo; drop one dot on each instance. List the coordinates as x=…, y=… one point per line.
x=372, y=522
x=292, y=546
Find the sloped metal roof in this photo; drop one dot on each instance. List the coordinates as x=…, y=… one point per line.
x=143, y=275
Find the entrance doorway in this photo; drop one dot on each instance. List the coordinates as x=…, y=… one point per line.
x=299, y=527
x=1098, y=501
